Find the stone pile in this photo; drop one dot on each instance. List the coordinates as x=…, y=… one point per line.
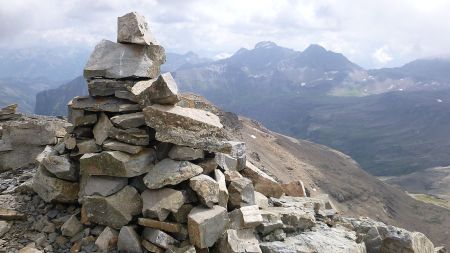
x=155, y=175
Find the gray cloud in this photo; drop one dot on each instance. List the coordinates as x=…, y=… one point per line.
x=371, y=33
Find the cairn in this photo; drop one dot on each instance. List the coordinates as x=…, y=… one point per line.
x=156, y=175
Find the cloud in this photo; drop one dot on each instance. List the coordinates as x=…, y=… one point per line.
x=408, y=28
x=382, y=56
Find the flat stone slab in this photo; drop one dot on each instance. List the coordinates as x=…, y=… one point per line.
x=7, y=110
x=103, y=104
x=130, y=120
x=133, y=136
x=187, y=127
x=184, y=153
x=120, y=146
x=116, y=60
x=132, y=28
x=117, y=164
x=108, y=87
x=104, y=185
x=262, y=182
x=170, y=172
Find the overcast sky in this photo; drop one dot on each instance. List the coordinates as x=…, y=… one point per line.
x=372, y=33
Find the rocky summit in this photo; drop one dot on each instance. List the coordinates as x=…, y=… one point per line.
x=140, y=170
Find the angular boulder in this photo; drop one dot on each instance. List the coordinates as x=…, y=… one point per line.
x=262, y=182
x=206, y=225
x=251, y=216
x=115, y=60
x=170, y=172
x=101, y=129
x=237, y=241
x=158, y=237
x=132, y=28
x=61, y=167
x=114, y=211
x=87, y=146
x=294, y=189
x=130, y=120
x=129, y=241
x=184, y=153
x=160, y=203
x=241, y=193
x=107, y=240
x=51, y=189
x=207, y=189
x=223, y=191
x=117, y=164
x=71, y=227
x=161, y=90
x=187, y=127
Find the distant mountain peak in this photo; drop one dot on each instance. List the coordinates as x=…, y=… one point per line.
x=315, y=48
x=265, y=44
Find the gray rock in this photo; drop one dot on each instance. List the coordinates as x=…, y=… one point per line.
x=7, y=110
x=70, y=142
x=251, y=216
x=123, y=94
x=237, y=241
x=133, y=136
x=129, y=241
x=241, y=193
x=87, y=146
x=101, y=129
x=207, y=189
x=223, y=191
x=130, y=120
x=187, y=127
x=294, y=218
x=271, y=222
x=4, y=227
x=170, y=172
x=54, y=189
x=208, y=165
x=262, y=182
x=103, y=104
x=132, y=28
x=206, y=225
x=108, y=87
x=158, y=237
x=79, y=118
x=49, y=150
x=115, y=60
x=400, y=240
x=322, y=241
x=71, y=227
x=61, y=167
x=107, y=240
x=114, y=211
x=159, y=203
x=120, y=146
x=186, y=153
x=117, y=164
x=294, y=188
x=104, y=185
x=261, y=200
x=161, y=90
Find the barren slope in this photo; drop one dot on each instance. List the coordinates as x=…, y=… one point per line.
x=355, y=192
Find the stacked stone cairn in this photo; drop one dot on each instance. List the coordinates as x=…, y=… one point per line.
x=157, y=176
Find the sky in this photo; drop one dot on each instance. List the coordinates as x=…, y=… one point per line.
x=371, y=33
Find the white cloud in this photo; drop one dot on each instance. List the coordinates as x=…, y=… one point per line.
x=382, y=56
x=408, y=28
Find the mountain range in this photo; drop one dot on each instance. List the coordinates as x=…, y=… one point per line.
x=391, y=120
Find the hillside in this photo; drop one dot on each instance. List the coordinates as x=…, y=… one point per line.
x=355, y=192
